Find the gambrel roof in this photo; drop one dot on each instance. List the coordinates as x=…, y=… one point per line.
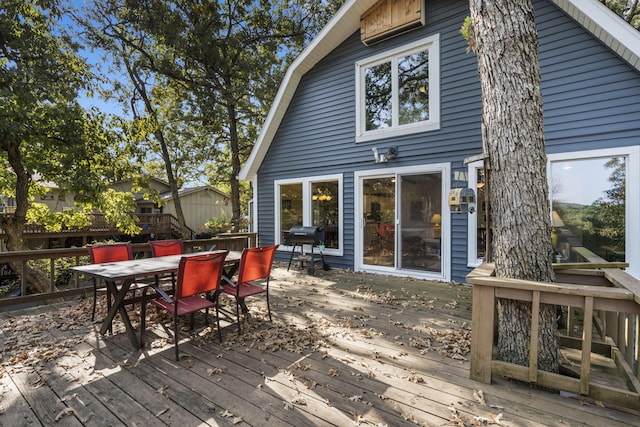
x=596, y=18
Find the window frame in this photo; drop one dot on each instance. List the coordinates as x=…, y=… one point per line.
x=432, y=44
x=472, y=219
x=445, y=228
x=632, y=191
x=307, y=213
x=632, y=203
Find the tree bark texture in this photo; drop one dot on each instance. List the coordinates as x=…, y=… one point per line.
x=505, y=41
x=235, y=165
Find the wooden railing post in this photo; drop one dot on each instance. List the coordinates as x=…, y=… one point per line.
x=482, y=319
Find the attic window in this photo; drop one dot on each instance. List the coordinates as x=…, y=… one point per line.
x=398, y=92
x=388, y=18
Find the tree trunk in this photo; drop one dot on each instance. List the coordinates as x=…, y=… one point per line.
x=235, y=168
x=505, y=40
x=158, y=133
x=14, y=224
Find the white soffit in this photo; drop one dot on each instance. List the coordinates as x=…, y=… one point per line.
x=603, y=23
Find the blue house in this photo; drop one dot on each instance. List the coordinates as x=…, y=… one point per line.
x=379, y=119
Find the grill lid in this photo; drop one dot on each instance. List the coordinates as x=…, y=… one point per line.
x=308, y=235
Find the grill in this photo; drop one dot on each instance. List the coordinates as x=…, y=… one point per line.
x=300, y=235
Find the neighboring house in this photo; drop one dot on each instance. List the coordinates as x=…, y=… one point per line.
x=199, y=204
x=144, y=205
x=413, y=87
x=55, y=199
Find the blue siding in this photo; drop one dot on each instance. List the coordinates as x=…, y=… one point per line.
x=590, y=101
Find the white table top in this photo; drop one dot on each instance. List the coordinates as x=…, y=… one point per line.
x=122, y=270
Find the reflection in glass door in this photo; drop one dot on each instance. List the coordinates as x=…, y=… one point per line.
x=378, y=237
x=403, y=232
x=421, y=222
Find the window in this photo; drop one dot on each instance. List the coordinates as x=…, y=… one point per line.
x=311, y=201
x=593, y=196
x=399, y=92
x=595, y=203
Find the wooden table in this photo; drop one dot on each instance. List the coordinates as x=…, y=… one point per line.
x=119, y=276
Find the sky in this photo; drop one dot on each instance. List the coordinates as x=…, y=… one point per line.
x=587, y=179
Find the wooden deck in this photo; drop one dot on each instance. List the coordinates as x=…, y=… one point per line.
x=344, y=349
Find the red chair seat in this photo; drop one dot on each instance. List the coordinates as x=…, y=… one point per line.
x=246, y=290
x=185, y=306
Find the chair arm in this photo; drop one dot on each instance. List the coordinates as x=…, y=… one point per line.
x=229, y=281
x=162, y=293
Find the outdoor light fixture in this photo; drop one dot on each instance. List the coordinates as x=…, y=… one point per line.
x=391, y=153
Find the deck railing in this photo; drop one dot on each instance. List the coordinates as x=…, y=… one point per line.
x=62, y=284
x=160, y=224
x=602, y=307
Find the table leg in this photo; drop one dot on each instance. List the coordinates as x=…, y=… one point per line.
x=119, y=307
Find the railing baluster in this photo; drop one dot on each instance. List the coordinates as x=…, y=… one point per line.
x=23, y=278
x=587, y=332
x=628, y=354
x=636, y=345
x=52, y=275
x=571, y=313
x=621, y=338
x=533, y=343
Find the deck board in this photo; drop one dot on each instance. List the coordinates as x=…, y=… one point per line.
x=344, y=349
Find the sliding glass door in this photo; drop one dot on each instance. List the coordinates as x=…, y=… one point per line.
x=402, y=223
x=420, y=222
x=378, y=237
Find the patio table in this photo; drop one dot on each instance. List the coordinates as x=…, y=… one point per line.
x=124, y=273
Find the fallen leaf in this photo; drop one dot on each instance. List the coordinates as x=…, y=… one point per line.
x=65, y=412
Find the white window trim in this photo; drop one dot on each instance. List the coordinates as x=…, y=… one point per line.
x=255, y=198
x=433, y=44
x=472, y=219
x=632, y=214
x=445, y=244
x=306, y=208
x=632, y=203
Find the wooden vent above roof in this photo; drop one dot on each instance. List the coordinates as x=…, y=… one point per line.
x=388, y=18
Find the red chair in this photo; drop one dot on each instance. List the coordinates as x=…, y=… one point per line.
x=255, y=265
x=197, y=275
x=100, y=254
x=166, y=247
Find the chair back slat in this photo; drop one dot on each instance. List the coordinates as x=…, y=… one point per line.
x=256, y=263
x=199, y=274
x=166, y=247
x=99, y=254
